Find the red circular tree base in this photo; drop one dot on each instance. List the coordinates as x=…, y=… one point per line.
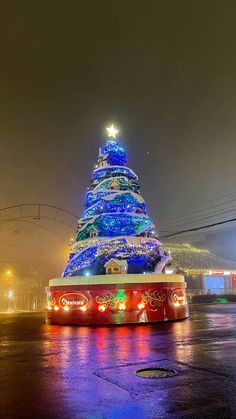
x=116, y=299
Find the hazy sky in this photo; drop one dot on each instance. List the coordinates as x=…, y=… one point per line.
x=164, y=71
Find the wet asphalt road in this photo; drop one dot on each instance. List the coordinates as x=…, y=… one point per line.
x=79, y=372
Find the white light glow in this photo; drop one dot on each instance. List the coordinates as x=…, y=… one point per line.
x=10, y=294
x=102, y=307
x=112, y=131
x=169, y=271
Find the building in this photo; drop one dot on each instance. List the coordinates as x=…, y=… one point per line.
x=203, y=270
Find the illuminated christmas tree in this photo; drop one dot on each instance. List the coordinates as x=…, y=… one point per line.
x=115, y=224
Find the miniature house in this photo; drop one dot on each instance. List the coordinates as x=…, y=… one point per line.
x=116, y=266
x=93, y=232
x=114, y=185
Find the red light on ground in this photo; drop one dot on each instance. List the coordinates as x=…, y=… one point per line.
x=83, y=308
x=102, y=308
x=122, y=306
x=141, y=306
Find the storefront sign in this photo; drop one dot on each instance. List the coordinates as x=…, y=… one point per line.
x=218, y=273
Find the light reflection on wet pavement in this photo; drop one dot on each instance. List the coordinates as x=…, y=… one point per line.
x=82, y=372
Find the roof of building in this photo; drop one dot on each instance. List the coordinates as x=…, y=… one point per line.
x=123, y=263
x=193, y=260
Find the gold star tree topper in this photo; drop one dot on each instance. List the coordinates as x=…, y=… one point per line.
x=112, y=131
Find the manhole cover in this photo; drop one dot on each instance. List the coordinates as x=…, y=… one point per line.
x=155, y=373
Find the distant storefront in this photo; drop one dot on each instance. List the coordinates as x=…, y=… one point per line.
x=217, y=282
x=204, y=271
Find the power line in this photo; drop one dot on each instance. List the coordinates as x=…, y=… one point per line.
x=193, y=221
x=216, y=205
x=189, y=230
x=206, y=212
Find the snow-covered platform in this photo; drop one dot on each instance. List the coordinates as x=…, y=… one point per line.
x=116, y=299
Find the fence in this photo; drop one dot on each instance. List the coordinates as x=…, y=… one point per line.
x=220, y=291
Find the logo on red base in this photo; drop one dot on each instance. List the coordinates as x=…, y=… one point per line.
x=73, y=300
x=178, y=297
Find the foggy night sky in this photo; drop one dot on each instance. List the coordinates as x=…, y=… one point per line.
x=163, y=71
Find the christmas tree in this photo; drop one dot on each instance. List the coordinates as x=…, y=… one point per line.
x=115, y=224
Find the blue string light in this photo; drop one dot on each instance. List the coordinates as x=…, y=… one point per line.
x=107, y=172
x=141, y=257
x=114, y=211
x=116, y=154
x=114, y=225
x=125, y=202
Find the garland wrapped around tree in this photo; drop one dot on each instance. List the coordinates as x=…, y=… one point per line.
x=115, y=224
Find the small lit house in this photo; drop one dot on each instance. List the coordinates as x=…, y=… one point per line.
x=114, y=185
x=93, y=232
x=116, y=266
